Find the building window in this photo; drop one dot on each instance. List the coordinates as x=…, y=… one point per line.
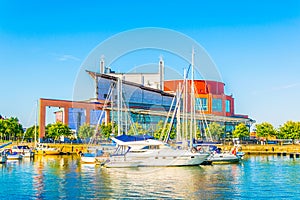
x=217, y=105
x=227, y=105
x=201, y=104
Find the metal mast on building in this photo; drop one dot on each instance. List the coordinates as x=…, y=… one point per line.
x=161, y=73
x=102, y=65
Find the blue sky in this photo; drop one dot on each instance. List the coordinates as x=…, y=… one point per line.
x=255, y=44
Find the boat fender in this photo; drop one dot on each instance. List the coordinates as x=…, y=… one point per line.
x=234, y=151
x=193, y=150
x=198, y=148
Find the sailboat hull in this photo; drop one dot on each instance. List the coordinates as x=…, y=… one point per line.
x=156, y=159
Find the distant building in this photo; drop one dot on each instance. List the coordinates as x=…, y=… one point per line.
x=147, y=98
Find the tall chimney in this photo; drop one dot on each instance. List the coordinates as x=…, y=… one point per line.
x=161, y=73
x=102, y=65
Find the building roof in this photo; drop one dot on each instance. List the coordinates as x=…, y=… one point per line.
x=110, y=77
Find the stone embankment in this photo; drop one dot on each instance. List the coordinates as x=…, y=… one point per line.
x=250, y=149
x=246, y=148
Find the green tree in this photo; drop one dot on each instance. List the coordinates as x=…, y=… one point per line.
x=86, y=131
x=136, y=129
x=58, y=129
x=216, y=130
x=29, y=133
x=11, y=129
x=241, y=130
x=290, y=130
x=159, y=131
x=46, y=130
x=107, y=130
x=265, y=130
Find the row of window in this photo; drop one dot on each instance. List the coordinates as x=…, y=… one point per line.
x=77, y=117
x=202, y=104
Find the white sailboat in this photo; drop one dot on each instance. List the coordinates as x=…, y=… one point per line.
x=151, y=153
x=95, y=153
x=136, y=151
x=24, y=150
x=221, y=157
x=40, y=148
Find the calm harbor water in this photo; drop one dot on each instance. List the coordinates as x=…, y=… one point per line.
x=64, y=177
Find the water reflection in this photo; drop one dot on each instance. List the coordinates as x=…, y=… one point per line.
x=173, y=182
x=64, y=177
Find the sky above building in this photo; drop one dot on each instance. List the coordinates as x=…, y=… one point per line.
x=254, y=44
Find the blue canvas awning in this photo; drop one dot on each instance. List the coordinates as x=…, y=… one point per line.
x=130, y=138
x=4, y=145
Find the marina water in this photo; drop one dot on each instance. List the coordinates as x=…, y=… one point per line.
x=64, y=177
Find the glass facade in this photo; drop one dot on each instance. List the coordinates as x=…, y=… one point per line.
x=147, y=121
x=201, y=104
x=134, y=96
x=77, y=117
x=217, y=105
x=227, y=106
x=95, y=117
x=103, y=88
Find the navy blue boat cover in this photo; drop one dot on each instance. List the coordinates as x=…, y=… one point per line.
x=130, y=138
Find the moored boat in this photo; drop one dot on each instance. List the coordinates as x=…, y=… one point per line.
x=13, y=155
x=42, y=149
x=24, y=150
x=91, y=156
x=219, y=157
x=150, y=153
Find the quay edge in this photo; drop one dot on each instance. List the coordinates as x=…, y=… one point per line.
x=252, y=149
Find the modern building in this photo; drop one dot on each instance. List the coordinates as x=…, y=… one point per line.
x=145, y=98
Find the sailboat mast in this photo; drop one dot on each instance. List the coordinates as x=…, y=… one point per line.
x=119, y=105
x=112, y=109
x=35, y=123
x=178, y=128
x=192, y=96
x=185, y=105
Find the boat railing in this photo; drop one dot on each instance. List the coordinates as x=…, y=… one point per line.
x=121, y=150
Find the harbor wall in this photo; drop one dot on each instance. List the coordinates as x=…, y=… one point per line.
x=264, y=149
x=246, y=148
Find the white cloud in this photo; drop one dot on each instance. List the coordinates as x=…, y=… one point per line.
x=68, y=57
x=288, y=86
x=273, y=89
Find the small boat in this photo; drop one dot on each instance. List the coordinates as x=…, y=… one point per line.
x=219, y=157
x=24, y=150
x=13, y=155
x=42, y=149
x=93, y=156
